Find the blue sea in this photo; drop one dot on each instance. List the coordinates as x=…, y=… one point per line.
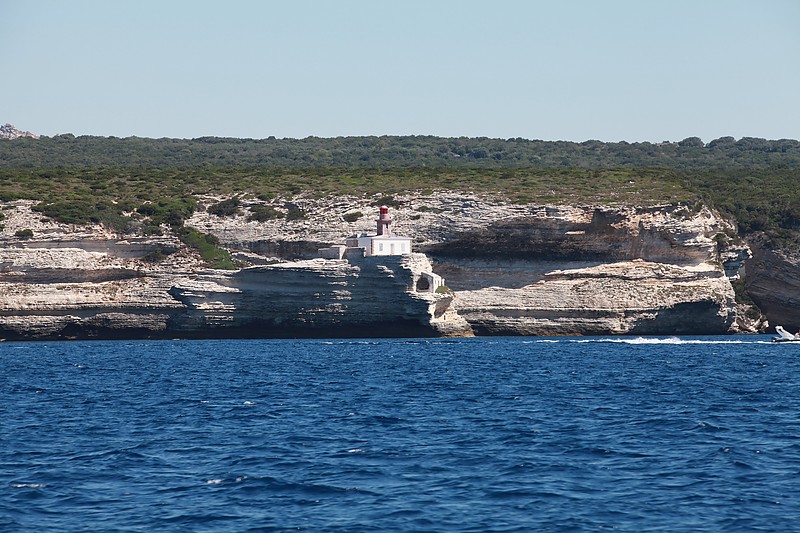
x=480, y=435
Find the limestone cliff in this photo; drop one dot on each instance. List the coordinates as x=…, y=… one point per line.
x=545, y=270
x=72, y=293
x=368, y=297
x=634, y=297
x=511, y=270
x=83, y=282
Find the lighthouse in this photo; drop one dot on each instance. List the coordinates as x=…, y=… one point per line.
x=382, y=243
x=383, y=221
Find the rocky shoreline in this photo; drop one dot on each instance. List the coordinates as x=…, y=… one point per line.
x=509, y=269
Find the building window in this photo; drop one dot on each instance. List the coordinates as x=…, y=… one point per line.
x=380, y=246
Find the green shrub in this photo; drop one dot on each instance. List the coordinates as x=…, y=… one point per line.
x=353, y=216
x=522, y=199
x=150, y=229
x=69, y=211
x=86, y=211
x=24, y=233
x=208, y=248
x=172, y=211
x=740, y=290
x=262, y=213
x=156, y=256
x=388, y=201
x=225, y=208
x=426, y=209
x=115, y=221
x=293, y=212
x=9, y=196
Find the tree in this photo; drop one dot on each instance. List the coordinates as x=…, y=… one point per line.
x=691, y=142
x=722, y=143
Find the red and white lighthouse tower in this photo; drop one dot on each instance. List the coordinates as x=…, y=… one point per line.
x=383, y=221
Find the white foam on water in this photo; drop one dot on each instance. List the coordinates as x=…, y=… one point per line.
x=27, y=485
x=663, y=340
x=213, y=482
x=650, y=340
x=248, y=402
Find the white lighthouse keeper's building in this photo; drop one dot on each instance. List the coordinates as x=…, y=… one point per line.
x=384, y=243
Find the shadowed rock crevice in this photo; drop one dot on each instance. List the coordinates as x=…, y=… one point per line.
x=773, y=282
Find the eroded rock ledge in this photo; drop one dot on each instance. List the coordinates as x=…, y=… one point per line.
x=635, y=297
x=373, y=297
x=369, y=297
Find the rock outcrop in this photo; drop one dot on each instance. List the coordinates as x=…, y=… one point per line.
x=634, y=297
x=368, y=297
x=8, y=131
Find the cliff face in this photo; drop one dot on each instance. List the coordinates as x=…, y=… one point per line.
x=635, y=297
x=369, y=297
x=547, y=270
x=79, y=298
x=512, y=270
x=68, y=282
x=773, y=282
x=64, y=289
x=596, y=271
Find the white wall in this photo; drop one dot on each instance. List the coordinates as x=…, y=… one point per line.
x=385, y=245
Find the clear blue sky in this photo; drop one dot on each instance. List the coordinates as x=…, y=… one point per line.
x=612, y=70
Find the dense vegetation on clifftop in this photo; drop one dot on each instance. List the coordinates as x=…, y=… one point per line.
x=392, y=152
x=153, y=181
